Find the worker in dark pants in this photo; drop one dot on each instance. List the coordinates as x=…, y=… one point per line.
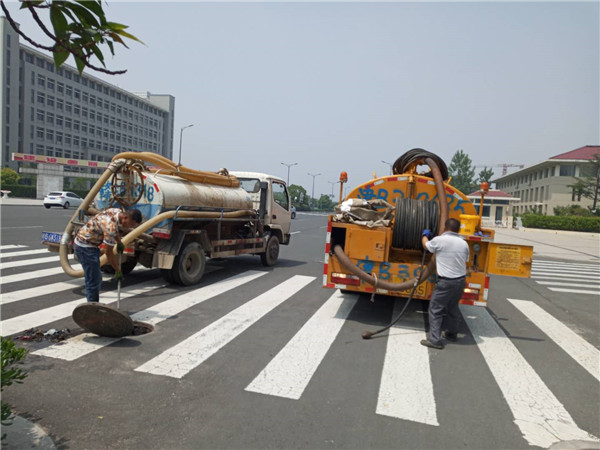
x=102, y=228
x=451, y=254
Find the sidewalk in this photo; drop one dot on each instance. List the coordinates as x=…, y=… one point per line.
x=554, y=244
x=15, y=201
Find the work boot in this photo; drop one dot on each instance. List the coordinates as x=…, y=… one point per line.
x=453, y=337
x=426, y=343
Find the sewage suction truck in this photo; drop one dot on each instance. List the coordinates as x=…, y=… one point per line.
x=373, y=243
x=188, y=216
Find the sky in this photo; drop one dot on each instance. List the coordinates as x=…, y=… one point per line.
x=351, y=86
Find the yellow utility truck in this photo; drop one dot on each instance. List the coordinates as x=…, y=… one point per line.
x=373, y=243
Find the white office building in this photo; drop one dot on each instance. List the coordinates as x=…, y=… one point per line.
x=60, y=113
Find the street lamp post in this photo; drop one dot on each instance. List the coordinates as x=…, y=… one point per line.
x=332, y=183
x=314, y=175
x=288, y=166
x=180, y=137
x=389, y=164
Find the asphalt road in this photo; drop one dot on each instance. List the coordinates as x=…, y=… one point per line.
x=273, y=360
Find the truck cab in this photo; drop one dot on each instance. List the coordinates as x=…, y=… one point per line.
x=278, y=213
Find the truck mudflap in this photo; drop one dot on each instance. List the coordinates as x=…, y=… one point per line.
x=509, y=259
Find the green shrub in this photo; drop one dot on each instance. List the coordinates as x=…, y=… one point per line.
x=11, y=357
x=569, y=223
x=20, y=190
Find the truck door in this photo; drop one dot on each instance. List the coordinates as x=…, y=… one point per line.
x=281, y=214
x=509, y=259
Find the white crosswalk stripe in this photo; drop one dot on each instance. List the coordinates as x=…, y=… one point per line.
x=43, y=316
x=24, y=253
x=3, y=248
x=288, y=374
x=563, y=277
x=185, y=356
x=28, y=262
x=542, y=419
x=406, y=388
x=579, y=349
x=86, y=343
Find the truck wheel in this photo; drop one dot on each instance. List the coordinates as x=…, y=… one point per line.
x=189, y=264
x=126, y=267
x=269, y=257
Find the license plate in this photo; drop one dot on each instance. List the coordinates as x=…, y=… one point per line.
x=51, y=237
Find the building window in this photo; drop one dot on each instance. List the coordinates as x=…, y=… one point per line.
x=69, y=107
x=50, y=101
x=41, y=98
x=59, y=121
x=567, y=170
x=50, y=118
x=69, y=91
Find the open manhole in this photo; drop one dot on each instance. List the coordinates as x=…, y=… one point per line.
x=106, y=321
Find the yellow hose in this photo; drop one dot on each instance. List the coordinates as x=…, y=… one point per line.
x=170, y=168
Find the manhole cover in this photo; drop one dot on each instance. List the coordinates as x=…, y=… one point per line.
x=102, y=320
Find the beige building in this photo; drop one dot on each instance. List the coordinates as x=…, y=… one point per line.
x=544, y=186
x=498, y=207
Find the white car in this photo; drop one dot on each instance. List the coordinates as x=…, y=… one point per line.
x=62, y=198
x=293, y=212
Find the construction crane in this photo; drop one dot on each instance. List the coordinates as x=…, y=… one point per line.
x=504, y=166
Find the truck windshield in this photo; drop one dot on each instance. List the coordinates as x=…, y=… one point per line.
x=250, y=185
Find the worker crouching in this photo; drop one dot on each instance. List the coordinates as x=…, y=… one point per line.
x=102, y=228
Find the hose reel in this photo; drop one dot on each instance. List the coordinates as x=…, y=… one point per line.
x=412, y=217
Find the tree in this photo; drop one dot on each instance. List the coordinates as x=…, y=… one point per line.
x=485, y=175
x=462, y=172
x=325, y=202
x=588, y=185
x=9, y=176
x=299, y=197
x=79, y=28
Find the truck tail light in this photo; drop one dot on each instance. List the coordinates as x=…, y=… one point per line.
x=471, y=294
x=343, y=278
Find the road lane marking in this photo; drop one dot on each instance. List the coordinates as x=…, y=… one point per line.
x=25, y=294
x=288, y=374
x=542, y=419
x=574, y=345
x=193, y=351
x=11, y=247
x=28, y=262
x=558, y=283
x=564, y=264
x=546, y=275
x=7, y=279
x=86, y=343
x=14, y=228
x=47, y=315
x=24, y=253
x=575, y=291
x=295, y=232
x=567, y=271
x=406, y=389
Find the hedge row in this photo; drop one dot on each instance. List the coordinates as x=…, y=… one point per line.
x=570, y=223
x=20, y=190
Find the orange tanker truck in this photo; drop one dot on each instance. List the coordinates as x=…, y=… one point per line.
x=373, y=242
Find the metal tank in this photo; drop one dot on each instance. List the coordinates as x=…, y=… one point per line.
x=159, y=193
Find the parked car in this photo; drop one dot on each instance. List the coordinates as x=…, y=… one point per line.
x=293, y=212
x=62, y=198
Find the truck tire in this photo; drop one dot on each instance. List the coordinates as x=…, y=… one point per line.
x=126, y=267
x=188, y=267
x=269, y=257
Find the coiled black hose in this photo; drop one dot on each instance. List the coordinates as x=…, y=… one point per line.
x=412, y=217
x=416, y=157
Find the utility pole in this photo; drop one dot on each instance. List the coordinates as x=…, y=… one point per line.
x=314, y=175
x=180, y=137
x=288, y=166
